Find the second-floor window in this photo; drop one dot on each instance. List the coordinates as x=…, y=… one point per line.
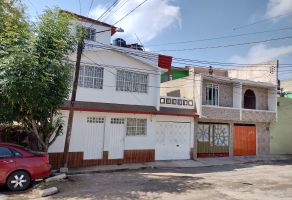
x=90, y=34
x=130, y=81
x=212, y=94
x=90, y=77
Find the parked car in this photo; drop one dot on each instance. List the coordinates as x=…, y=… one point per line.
x=20, y=166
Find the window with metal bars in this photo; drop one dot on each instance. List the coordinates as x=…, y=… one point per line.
x=130, y=81
x=90, y=77
x=212, y=94
x=90, y=34
x=136, y=127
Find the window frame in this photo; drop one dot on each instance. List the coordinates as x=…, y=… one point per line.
x=212, y=86
x=129, y=81
x=90, y=34
x=85, y=77
x=136, y=127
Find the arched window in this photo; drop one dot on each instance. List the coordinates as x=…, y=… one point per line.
x=249, y=99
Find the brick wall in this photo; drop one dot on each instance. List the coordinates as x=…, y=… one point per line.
x=220, y=113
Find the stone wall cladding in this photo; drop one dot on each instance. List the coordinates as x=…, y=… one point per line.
x=225, y=93
x=261, y=96
x=258, y=116
x=220, y=113
x=263, y=139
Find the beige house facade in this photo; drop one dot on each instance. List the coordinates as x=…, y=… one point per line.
x=235, y=108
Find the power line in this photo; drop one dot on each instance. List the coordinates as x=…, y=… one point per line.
x=224, y=46
x=220, y=37
x=179, y=60
x=260, y=21
x=108, y=10
x=90, y=7
x=130, y=12
x=116, y=10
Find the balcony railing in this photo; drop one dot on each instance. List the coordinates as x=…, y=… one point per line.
x=238, y=114
x=176, y=102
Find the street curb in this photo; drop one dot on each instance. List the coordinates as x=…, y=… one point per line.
x=95, y=171
x=109, y=170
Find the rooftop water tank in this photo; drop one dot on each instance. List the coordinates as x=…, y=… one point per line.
x=119, y=42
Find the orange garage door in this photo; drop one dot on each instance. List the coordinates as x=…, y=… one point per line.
x=244, y=142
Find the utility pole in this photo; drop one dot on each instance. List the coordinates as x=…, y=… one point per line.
x=72, y=103
x=73, y=96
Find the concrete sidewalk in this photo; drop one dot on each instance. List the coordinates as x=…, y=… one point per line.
x=199, y=162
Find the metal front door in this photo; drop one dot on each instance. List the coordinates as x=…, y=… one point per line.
x=116, y=134
x=244, y=140
x=172, y=141
x=93, y=138
x=213, y=140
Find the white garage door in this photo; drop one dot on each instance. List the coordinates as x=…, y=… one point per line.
x=172, y=141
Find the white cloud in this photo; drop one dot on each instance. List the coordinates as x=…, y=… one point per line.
x=278, y=7
x=260, y=53
x=147, y=21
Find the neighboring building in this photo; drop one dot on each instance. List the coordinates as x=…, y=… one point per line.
x=281, y=132
x=174, y=73
x=286, y=86
x=118, y=116
x=235, y=108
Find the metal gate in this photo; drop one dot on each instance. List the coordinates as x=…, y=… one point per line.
x=213, y=140
x=244, y=140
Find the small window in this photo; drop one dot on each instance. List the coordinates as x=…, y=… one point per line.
x=95, y=120
x=90, y=34
x=212, y=94
x=90, y=77
x=130, y=81
x=136, y=127
x=5, y=153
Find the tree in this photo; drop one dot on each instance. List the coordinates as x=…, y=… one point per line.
x=35, y=77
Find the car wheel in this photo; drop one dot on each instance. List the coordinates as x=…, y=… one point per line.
x=18, y=181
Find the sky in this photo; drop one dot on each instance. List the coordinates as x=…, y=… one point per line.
x=193, y=24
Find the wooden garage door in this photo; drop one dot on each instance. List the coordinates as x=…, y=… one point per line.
x=244, y=140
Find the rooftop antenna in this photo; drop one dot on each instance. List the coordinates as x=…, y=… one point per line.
x=139, y=41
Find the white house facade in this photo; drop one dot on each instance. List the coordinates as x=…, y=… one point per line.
x=118, y=116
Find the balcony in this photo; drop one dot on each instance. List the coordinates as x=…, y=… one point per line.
x=237, y=114
x=258, y=115
x=176, y=102
x=220, y=113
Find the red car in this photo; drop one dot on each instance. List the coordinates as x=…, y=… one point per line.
x=19, y=166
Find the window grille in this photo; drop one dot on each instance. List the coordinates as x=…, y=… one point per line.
x=96, y=120
x=130, y=81
x=117, y=120
x=90, y=77
x=136, y=127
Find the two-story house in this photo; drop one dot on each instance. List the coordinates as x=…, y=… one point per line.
x=118, y=116
x=235, y=107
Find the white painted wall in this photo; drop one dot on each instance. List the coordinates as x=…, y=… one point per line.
x=131, y=142
x=113, y=61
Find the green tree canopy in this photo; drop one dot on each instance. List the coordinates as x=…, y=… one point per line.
x=35, y=75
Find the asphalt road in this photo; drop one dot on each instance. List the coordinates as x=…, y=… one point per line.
x=262, y=181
